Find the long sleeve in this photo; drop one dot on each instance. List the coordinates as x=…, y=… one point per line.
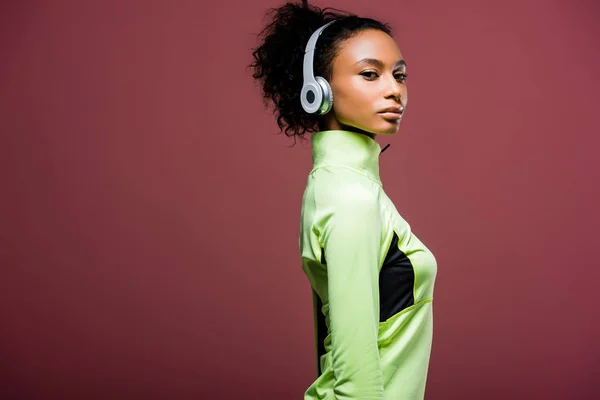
x=350, y=236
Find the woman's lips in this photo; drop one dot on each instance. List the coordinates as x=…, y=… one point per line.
x=391, y=115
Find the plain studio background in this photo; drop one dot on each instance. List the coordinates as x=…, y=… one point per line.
x=150, y=212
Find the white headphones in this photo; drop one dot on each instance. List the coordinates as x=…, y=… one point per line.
x=316, y=95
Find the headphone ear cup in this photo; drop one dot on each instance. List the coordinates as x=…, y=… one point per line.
x=327, y=100
x=311, y=97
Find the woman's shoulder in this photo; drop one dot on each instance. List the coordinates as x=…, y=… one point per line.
x=339, y=186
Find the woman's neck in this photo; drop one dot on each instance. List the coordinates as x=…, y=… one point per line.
x=330, y=123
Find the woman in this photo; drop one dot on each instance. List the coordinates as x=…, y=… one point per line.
x=371, y=277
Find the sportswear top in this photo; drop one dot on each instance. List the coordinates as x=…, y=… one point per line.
x=372, y=279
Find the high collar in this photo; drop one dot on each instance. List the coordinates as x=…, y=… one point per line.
x=350, y=149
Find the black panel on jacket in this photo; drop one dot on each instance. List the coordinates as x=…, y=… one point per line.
x=396, y=282
x=321, y=325
x=321, y=331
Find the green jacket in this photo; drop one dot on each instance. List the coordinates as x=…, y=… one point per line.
x=372, y=279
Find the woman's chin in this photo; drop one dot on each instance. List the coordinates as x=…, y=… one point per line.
x=389, y=129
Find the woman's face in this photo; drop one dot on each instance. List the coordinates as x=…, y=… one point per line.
x=368, y=77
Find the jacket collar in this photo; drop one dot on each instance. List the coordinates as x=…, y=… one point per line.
x=347, y=148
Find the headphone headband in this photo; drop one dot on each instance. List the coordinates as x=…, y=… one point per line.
x=309, y=53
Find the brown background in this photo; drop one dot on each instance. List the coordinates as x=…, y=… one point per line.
x=150, y=212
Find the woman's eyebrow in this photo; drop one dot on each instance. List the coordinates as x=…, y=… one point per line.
x=379, y=64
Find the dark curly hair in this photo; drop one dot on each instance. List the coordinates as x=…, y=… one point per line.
x=277, y=64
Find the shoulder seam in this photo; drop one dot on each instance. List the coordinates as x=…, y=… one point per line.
x=312, y=222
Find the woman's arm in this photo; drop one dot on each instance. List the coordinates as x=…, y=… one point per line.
x=351, y=238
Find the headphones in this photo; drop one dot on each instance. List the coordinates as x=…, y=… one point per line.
x=316, y=95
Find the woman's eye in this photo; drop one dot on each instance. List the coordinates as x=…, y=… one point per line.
x=402, y=77
x=370, y=75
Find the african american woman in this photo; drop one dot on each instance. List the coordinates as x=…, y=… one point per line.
x=341, y=79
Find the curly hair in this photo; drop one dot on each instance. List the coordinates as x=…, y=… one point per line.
x=277, y=64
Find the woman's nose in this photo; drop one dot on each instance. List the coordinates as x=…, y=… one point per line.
x=394, y=88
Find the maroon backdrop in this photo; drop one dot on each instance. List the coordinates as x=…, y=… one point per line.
x=150, y=212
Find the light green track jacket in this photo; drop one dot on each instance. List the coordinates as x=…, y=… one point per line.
x=372, y=279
